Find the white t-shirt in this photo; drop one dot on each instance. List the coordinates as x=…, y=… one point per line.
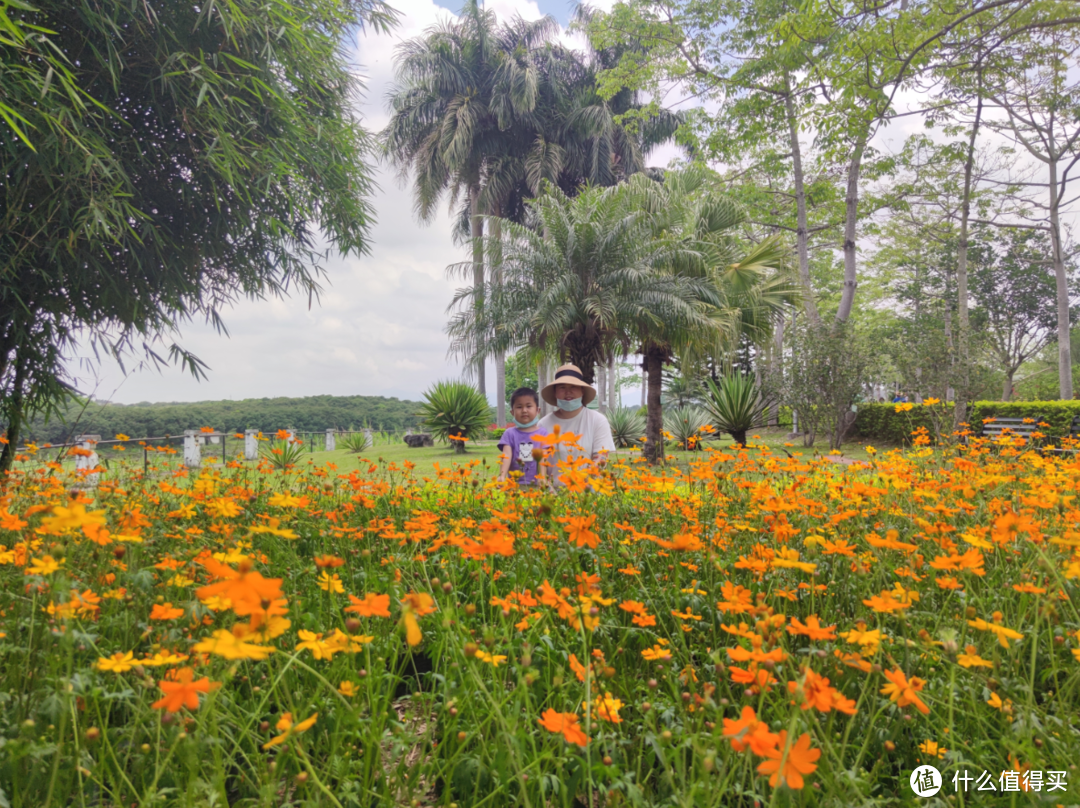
x=592, y=429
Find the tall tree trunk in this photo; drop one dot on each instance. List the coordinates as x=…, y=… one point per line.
x=476, y=229
x=776, y=361
x=851, y=219
x=1007, y=385
x=601, y=387
x=613, y=387
x=16, y=416
x=500, y=356
x=964, y=321
x=802, y=231
x=644, y=382
x=654, y=419
x=542, y=380
x=1065, y=380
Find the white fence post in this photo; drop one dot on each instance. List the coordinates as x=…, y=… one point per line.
x=85, y=464
x=251, y=444
x=192, y=449
x=369, y=439
x=331, y=442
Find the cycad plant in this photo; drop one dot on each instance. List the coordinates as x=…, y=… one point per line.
x=455, y=411
x=736, y=405
x=627, y=425
x=685, y=425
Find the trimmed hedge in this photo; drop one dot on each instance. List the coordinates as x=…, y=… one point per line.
x=1058, y=414
x=882, y=421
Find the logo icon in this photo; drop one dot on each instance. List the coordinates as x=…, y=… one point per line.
x=926, y=781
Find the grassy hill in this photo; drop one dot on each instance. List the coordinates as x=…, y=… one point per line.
x=311, y=413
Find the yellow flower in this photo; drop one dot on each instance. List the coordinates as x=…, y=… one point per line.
x=971, y=659
x=43, y=566
x=117, y=663
x=224, y=643
x=347, y=689
x=331, y=583
x=493, y=659
x=289, y=729
x=320, y=648
x=163, y=658
x=931, y=749
x=287, y=501
x=996, y=702
x=1003, y=634
x=930, y=402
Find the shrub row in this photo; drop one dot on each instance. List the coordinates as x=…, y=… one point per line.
x=882, y=421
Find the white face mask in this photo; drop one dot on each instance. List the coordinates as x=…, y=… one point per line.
x=569, y=405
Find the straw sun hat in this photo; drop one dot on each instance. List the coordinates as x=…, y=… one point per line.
x=569, y=374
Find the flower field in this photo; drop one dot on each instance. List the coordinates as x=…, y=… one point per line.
x=752, y=629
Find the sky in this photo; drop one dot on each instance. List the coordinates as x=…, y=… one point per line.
x=378, y=329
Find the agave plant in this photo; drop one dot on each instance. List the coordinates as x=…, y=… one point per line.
x=627, y=425
x=455, y=411
x=356, y=441
x=736, y=405
x=283, y=454
x=687, y=425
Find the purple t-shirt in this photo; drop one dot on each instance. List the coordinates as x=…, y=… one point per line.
x=521, y=447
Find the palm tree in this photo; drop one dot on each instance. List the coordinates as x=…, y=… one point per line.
x=460, y=89
x=695, y=224
x=573, y=276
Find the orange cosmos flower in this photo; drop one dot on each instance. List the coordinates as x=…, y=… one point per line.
x=245, y=587
x=565, y=723
x=371, y=606
x=903, y=691
x=749, y=733
x=817, y=692
x=579, y=670
x=165, y=611
x=183, y=691
x=1029, y=589
x=577, y=530
x=737, y=599
x=812, y=629
x=789, y=764
x=885, y=602
x=329, y=561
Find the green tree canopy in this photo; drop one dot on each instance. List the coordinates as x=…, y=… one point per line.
x=163, y=160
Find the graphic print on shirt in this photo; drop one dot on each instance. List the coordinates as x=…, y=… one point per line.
x=525, y=453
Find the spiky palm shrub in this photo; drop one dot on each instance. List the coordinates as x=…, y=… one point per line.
x=685, y=425
x=736, y=405
x=455, y=411
x=627, y=425
x=356, y=441
x=283, y=454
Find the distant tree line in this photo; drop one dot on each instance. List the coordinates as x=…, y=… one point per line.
x=311, y=413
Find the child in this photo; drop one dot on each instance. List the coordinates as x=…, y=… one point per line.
x=516, y=441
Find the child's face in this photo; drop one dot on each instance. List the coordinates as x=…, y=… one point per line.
x=524, y=409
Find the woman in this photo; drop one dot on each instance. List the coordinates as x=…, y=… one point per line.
x=570, y=393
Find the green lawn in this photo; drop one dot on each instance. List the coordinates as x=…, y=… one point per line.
x=392, y=456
